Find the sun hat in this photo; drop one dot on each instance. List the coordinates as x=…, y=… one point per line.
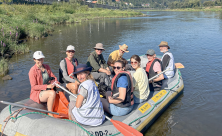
x=81, y=68
x=124, y=48
x=99, y=46
x=163, y=43
x=150, y=52
x=70, y=48
x=38, y=55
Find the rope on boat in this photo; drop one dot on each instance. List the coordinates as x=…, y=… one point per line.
x=11, y=116
x=14, y=117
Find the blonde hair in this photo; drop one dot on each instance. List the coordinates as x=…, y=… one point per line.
x=89, y=77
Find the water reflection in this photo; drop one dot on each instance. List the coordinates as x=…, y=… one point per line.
x=194, y=38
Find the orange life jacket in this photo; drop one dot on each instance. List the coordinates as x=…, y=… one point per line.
x=128, y=101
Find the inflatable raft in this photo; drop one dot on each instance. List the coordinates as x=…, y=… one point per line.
x=32, y=123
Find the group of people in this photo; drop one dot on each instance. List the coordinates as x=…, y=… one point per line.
x=88, y=108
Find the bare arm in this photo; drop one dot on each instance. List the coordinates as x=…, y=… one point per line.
x=104, y=71
x=79, y=101
x=159, y=78
x=121, y=98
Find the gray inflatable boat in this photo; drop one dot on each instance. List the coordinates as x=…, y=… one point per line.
x=32, y=123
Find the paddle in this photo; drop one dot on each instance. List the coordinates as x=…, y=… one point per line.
x=179, y=65
x=36, y=109
x=122, y=127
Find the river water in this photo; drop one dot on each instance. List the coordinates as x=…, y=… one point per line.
x=194, y=37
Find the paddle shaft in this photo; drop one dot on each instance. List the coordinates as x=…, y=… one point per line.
x=122, y=127
x=31, y=108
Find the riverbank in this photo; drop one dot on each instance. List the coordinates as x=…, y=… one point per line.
x=215, y=8
x=37, y=21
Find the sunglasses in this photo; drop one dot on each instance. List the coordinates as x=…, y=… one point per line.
x=116, y=67
x=71, y=51
x=135, y=62
x=100, y=49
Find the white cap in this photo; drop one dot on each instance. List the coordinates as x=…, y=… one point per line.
x=38, y=55
x=70, y=47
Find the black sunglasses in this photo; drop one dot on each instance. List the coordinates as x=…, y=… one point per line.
x=116, y=67
x=100, y=49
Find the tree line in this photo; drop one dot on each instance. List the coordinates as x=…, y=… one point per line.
x=174, y=3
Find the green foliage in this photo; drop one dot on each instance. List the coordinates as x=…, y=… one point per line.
x=3, y=67
x=209, y=3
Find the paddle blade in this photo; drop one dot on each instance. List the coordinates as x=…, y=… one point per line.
x=179, y=65
x=125, y=129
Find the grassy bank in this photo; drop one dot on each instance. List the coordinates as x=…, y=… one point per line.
x=215, y=8
x=3, y=67
x=36, y=21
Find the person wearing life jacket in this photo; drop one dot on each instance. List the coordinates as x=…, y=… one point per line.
x=119, y=100
x=39, y=75
x=140, y=81
x=67, y=67
x=87, y=109
x=100, y=70
x=167, y=60
x=153, y=67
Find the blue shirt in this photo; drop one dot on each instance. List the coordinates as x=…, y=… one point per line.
x=122, y=82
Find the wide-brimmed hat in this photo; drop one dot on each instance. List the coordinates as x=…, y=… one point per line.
x=70, y=48
x=99, y=46
x=124, y=48
x=163, y=43
x=150, y=52
x=81, y=68
x=38, y=55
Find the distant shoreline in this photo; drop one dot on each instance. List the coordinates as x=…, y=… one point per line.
x=215, y=8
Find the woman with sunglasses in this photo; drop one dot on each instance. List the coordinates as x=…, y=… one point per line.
x=87, y=109
x=140, y=81
x=39, y=76
x=67, y=67
x=119, y=101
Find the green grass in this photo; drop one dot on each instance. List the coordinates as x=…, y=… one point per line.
x=35, y=21
x=3, y=67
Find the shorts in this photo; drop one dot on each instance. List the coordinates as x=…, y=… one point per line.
x=138, y=100
x=119, y=111
x=72, y=105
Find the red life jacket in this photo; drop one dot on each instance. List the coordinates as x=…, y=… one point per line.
x=128, y=101
x=149, y=67
x=70, y=67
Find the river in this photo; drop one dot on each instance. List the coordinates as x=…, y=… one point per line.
x=195, y=40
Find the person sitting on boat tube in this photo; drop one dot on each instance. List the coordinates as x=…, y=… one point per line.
x=67, y=67
x=118, y=55
x=140, y=81
x=87, y=109
x=39, y=75
x=100, y=70
x=122, y=89
x=153, y=67
x=167, y=60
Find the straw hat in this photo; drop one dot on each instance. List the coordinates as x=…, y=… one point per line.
x=99, y=46
x=163, y=43
x=124, y=48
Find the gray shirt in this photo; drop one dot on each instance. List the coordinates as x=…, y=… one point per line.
x=82, y=91
x=64, y=72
